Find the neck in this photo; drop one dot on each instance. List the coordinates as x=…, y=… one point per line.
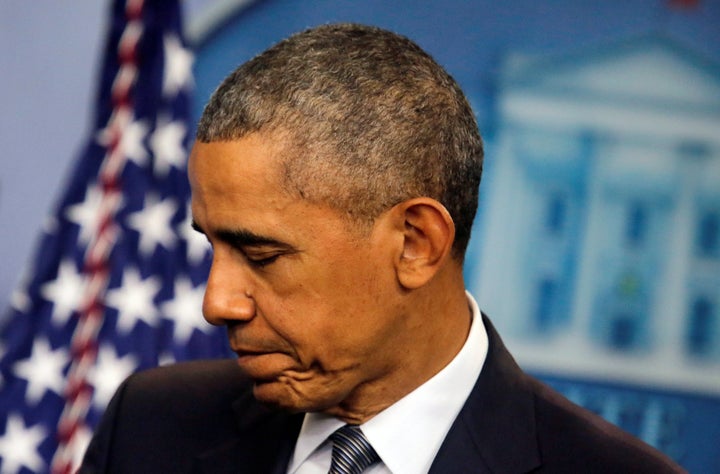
x=435, y=329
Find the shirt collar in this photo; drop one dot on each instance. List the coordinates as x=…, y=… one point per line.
x=315, y=430
x=408, y=434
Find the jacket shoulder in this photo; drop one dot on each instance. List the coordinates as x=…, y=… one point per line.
x=516, y=423
x=164, y=417
x=188, y=381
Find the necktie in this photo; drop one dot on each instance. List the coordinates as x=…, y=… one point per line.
x=351, y=453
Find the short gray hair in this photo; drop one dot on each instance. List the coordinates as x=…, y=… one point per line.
x=373, y=121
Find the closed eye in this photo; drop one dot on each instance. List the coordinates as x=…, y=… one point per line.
x=262, y=262
x=259, y=251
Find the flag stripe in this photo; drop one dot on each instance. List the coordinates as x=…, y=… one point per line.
x=84, y=342
x=117, y=283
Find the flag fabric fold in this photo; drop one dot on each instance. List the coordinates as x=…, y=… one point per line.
x=117, y=280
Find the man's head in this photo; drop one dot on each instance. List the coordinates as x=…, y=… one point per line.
x=369, y=118
x=325, y=174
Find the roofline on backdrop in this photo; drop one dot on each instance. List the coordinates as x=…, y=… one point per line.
x=209, y=20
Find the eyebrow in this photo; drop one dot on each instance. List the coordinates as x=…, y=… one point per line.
x=243, y=238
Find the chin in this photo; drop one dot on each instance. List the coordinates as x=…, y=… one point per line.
x=283, y=396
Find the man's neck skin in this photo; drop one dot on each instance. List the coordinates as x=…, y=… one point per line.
x=437, y=324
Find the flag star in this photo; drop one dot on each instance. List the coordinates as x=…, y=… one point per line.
x=87, y=214
x=65, y=292
x=197, y=244
x=108, y=373
x=19, y=446
x=131, y=139
x=153, y=224
x=185, y=310
x=134, y=300
x=43, y=370
x=178, y=66
x=167, y=146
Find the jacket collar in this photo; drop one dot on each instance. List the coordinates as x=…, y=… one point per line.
x=495, y=430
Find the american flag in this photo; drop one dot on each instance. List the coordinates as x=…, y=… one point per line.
x=117, y=281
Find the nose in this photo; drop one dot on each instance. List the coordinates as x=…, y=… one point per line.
x=226, y=295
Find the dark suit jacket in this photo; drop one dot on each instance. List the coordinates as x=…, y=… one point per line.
x=201, y=417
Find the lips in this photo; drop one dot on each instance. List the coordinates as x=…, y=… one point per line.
x=249, y=360
x=260, y=356
x=244, y=343
x=249, y=352
x=253, y=350
x=262, y=365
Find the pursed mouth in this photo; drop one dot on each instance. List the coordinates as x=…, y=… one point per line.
x=241, y=350
x=262, y=365
x=249, y=354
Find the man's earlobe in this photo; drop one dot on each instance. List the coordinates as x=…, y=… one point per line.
x=428, y=237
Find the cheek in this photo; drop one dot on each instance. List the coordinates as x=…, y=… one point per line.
x=330, y=310
x=302, y=319
x=322, y=332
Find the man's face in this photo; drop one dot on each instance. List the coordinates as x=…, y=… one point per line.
x=311, y=304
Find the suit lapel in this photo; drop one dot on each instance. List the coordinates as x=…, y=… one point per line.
x=264, y=443
x=495, y=430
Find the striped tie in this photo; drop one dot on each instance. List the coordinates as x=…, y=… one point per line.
x=351, y=453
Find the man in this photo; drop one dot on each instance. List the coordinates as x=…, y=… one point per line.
x=336, y=177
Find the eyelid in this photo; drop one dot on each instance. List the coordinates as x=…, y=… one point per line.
x=257, y=250
x=256, y=247
x=264, y=261
x=255, y=253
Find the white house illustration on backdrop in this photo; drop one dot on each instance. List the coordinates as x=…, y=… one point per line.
x=601, y=250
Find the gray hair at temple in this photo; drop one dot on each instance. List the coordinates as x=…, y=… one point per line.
x=370, y=118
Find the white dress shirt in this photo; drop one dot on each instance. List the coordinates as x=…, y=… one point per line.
x=408, y=434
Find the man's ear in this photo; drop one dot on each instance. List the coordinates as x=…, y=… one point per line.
x=428, y=236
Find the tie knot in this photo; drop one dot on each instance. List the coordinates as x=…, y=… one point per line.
x=352, y=452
